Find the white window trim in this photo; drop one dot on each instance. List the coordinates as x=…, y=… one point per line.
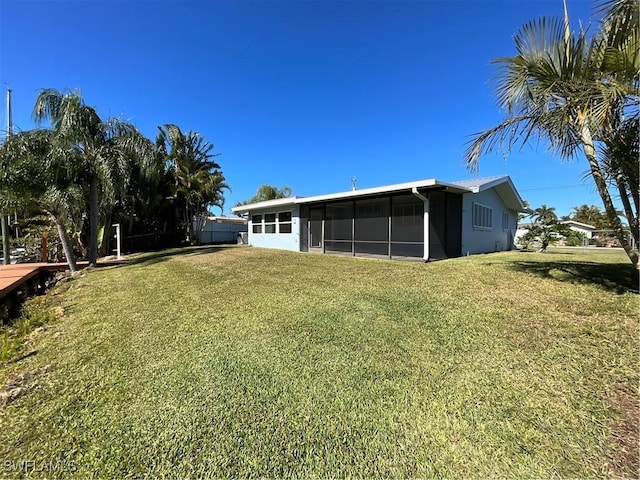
x=266, y=224
x=276, y=223
x=488, y=211
x=505, y=221
x=290, y=222
x=257, y=224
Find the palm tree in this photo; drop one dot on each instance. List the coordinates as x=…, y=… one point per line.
x=620, y=159
x=35, y=170
x=544, y=214
x=268, y=192
x=198, y=182
x=570, y=91
x=589, y=214
x=104, y=148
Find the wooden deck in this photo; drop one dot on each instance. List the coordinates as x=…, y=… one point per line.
x=14, y=276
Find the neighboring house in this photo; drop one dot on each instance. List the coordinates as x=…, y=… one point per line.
x=585, y=229
x=220, y=229
x=426, y=220
x=523, y=228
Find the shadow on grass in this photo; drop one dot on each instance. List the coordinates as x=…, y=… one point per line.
x=151, y=258
x=616, y=277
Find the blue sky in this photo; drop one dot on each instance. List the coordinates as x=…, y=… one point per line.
x=302, y=93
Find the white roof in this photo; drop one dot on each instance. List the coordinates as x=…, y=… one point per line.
x=278, y=202
x=585, y=226
x=398, y=187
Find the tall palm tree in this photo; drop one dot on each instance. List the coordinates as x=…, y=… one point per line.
x=570, y=91
x=620, y=159
x=198, y=183
x=104, y=148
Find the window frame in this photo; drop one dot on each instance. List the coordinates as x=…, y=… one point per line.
x=270, y=226
x=256, y=227
x=505, y=221
x=270, y=223
x=288, y=223
x=481, y=217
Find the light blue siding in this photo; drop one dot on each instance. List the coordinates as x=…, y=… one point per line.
x=495, y=239
x=284, y=241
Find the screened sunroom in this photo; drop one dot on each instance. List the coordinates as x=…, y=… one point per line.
x=424, y=220
x=389, y=226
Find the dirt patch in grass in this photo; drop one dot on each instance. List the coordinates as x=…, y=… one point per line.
x=18, y=385
x=626, y=433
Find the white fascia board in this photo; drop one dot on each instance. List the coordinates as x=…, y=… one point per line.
x=280, y=202
x=499, y=181
x=586, y=226
x=399, y=187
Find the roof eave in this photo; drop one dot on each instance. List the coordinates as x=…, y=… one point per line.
x=279, y=202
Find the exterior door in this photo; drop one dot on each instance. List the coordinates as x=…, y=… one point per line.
x=315, y=228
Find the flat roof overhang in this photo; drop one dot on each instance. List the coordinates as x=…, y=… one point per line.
x=421, y=186
x=503, y=185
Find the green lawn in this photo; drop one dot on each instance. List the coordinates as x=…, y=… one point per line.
x=236, y=362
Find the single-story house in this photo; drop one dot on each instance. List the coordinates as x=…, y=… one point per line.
x=214, y=229
x=585, y=229
x=427, y=220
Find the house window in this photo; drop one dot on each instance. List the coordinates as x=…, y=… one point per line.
x=284, y=222
x=272, y=223
x=505, y=220
x=269, y=223
x=369, y=211
x=256, y=221
x=407, y=216
x=482, y=216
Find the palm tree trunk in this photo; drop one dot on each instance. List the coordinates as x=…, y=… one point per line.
x=66, y=241
x=93, y=221
x=601, y=185
x=104, y=248
x=628, y=210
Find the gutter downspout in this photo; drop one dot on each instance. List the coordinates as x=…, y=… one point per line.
x=415, y=191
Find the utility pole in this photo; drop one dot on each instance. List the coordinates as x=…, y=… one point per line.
x=6, y=250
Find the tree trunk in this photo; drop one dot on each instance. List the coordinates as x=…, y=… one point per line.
x=6, y=248
x=93, y=221
x=66, y=242
x=628, y=210
x=105, y=247
x=601, y=185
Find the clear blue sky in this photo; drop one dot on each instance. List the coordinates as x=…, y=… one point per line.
x=302, y=93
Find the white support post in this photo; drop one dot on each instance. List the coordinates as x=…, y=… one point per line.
x=117, y=225
x=425, y=200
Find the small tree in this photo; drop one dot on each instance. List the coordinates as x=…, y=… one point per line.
x=35, y=170
x=267, y=192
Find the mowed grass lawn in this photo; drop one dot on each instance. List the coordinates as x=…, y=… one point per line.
x=237, y=362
